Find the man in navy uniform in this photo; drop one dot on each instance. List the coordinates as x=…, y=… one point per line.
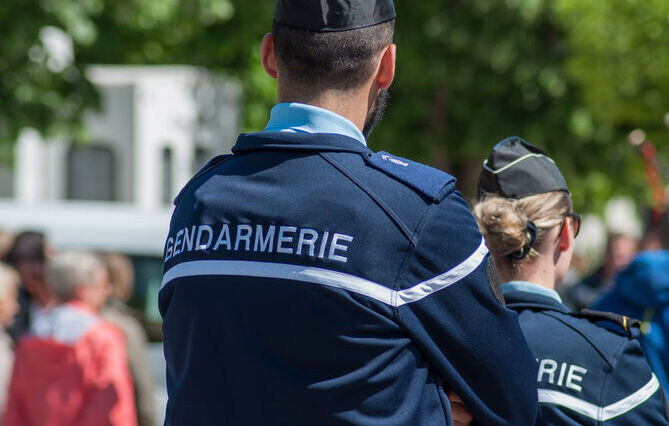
x=311, y=281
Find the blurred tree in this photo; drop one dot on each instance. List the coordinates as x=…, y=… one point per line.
x=47, y=43
x=572, y=77
x=41, y=83
x=471, y=73
x=222, y=35
x=618, y=63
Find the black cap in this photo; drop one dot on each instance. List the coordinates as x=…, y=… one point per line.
x=333, y=15
x=517, y=169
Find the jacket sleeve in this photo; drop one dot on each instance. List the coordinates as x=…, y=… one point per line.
x=110, y=387
x=632, y=394
x=13, y=415
x=448, y=308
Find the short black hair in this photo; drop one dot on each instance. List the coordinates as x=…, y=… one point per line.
x=339, y=60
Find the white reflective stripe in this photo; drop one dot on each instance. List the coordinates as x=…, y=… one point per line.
x=327, y=277
x=444, y=280
x=596, y=412
x=280, y=271
x=631, y=401
x=513, y=163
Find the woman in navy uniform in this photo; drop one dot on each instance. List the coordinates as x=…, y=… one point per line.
x=587, y=374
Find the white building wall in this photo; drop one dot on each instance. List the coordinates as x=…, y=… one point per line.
x=143, y=111
x=113, y=127
x=29, y=168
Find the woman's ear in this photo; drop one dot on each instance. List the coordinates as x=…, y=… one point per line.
x=267, y=55
x=564, y=237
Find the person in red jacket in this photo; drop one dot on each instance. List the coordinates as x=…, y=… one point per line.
x=72, y=368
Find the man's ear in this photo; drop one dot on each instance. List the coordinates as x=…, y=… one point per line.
x=267, y=55
x=386, y=69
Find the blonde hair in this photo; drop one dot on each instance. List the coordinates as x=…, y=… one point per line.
x=8, y=279
x=504, y=222
x=121, y=274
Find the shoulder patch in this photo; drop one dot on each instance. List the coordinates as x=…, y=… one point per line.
x=211, y=164
x=430, y=182
x=625, y=322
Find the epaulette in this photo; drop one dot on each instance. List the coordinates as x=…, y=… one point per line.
x=625, y=322
x=210, y=165
x=428, y=181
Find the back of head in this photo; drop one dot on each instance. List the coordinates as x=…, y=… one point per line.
x=325, y=45
x=69, y=270
x=505, y=224
x=121, y=274
x=27, y=245
x=8, y=279
x=9, y=306
x=6, y=242
x=522, y=195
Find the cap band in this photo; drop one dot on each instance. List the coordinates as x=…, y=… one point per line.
x=333, y=15
x=517, y=169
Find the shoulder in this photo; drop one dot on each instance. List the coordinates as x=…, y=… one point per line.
x=596, y=329
x=104, y=334
x=206, y=168
x=431, y=183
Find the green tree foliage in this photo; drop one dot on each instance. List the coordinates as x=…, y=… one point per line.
x=471, y=73
x=619, y=65
x=571, y=76
x=36, y=90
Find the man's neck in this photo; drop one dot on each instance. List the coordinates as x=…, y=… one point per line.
x=351, y=104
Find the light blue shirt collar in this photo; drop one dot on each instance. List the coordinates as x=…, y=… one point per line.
x=529, y=287
x=303, y=118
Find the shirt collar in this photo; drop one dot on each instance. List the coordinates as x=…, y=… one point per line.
x=303, y=118
x=529, y=287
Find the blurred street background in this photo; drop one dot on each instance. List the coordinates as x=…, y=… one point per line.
x=108, y=107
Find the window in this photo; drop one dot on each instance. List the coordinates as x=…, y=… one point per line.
x=166, y=176
x=90, y=173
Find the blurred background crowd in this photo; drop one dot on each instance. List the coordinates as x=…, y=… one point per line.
x=57, y=348
x=108, y=107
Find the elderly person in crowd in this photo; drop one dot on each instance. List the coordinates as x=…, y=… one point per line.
x=75, y=359
x=9, y=281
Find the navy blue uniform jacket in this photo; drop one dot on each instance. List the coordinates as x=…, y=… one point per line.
x=310, y=281
x=588, y=375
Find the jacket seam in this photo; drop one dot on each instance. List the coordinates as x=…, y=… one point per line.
x=605, y=356
x=206, y=169
x=410, y=252
x=377, y=200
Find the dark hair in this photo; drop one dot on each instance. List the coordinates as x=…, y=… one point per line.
x=28, y=245
x=341, y=60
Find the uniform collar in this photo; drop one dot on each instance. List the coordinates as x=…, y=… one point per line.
x=529, y=287
x=523, y=294
x=303, y=118
x=286, y=141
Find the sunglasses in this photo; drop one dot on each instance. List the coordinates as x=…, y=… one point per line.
x=575, y=220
